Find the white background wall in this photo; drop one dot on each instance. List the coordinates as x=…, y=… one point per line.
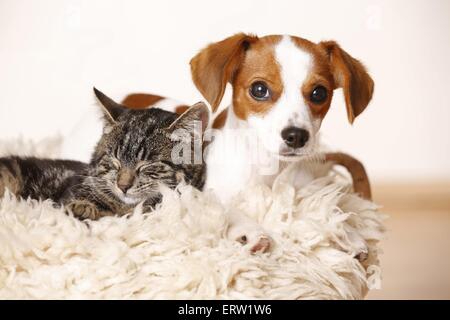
x=53, y=52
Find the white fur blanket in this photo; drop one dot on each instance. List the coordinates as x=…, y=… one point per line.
x=179, y=251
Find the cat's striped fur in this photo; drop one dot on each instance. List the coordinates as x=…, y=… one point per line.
x=130, y=162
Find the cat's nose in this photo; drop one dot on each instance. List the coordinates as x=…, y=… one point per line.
x=125, y=180
x=124, y=186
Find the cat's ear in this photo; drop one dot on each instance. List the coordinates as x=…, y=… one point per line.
x=110, y=108
x=199, y=112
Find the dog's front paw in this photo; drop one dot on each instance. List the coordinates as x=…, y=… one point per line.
x=362, y=256
x=262, y=244
x=252, y=236
x=83, y=209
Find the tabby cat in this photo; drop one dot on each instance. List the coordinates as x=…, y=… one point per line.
x=132, y=159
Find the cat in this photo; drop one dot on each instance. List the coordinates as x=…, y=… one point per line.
x=38, y=178
x=133, y=157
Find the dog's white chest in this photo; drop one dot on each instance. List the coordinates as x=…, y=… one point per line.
x=236, y=160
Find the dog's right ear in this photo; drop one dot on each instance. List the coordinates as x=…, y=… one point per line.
x=216, y=65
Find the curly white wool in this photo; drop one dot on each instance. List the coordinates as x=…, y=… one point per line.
x=179, y=251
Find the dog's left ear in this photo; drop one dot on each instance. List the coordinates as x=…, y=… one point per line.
x=350, y=75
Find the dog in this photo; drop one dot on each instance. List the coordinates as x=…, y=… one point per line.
x=282, y=88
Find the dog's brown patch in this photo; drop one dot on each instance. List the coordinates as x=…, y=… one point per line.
x=259, y=64
x=181, y=109
x=319, y=74
x=141, y=100
x=219, y=121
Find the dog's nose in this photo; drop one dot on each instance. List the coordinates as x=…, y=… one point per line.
x=295, y=137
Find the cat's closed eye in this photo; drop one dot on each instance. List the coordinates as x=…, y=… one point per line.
x=155, y=170
x=149, y=170
x=141, y=167
x=108, y=164
x=116, y=164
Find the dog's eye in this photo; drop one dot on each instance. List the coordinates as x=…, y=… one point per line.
x=319, y=94
x=259, y=91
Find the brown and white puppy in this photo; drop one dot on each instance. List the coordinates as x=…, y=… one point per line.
x=282, y=89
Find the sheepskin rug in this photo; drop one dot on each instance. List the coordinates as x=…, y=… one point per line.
x=179, y=251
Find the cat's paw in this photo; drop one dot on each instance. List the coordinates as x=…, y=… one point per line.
x=257, y=240
x=83, y=209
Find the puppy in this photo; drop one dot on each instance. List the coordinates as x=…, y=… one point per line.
x=282, y=88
